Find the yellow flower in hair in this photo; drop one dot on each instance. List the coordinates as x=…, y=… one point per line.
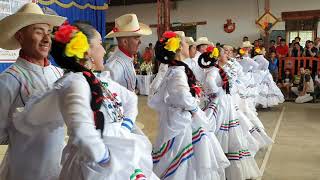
x=77, y=46
x=257, y=50
x=173, y=44
x=215, y=53
x=242, y=51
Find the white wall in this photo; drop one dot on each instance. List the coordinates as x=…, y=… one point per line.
x=242, y=12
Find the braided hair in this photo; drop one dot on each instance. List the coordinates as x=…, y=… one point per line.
x=210, y=62
x=71, y=64
x=168, y=57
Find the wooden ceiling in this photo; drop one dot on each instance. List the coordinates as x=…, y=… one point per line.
x=131, y=2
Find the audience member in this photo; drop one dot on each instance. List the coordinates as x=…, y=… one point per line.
x=147, y=55
x=273, y=66
x=296, y=50
x=272, y=46
x=279, y=40
x=286, y=83
x=311, y=51
x=260, y=42
x=307, y=87
x=297, y=39
x=245, y=38
x=283, y=49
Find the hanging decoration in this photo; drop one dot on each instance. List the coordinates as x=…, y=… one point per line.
x=229, y=27
x=267, y=21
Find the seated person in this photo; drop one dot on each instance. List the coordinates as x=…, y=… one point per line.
x=307, y=87
x=298, y=82
x=286, y=83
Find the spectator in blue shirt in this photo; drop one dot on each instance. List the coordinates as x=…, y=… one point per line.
x=273, y=66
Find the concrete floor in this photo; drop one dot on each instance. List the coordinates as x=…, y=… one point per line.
x=295, y=153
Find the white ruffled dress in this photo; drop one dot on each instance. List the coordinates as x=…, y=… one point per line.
x=231, y=130
x=185, y=148
x=123, y=145
x=269, y=93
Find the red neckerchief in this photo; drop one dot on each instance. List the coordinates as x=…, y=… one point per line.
x=27, y=58
x=125, y=52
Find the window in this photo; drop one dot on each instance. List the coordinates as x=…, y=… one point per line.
x=304, y=35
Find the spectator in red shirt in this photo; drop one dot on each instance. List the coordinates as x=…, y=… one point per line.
x=283, y=49
x=147, y=55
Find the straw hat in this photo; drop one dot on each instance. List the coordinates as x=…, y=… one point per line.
x=128, y=25
x=190, y=41
x=202, y=40
x=247, y=44
x=27, y=15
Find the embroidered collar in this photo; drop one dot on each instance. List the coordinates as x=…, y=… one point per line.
x=27, y=58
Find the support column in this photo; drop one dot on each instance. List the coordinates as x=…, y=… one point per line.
x=166, y=7
x=163, y=7
x=266, y=38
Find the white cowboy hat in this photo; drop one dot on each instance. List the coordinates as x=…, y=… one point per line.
x=247, y=44
x=128, y=25
x=202, y=40
x=27, y=15
x=190, y=41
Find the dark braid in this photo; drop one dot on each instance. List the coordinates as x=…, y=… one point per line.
x=224, y=77
x=191, y=78
x=206, y=58
x=168, y=57
x=71, y=64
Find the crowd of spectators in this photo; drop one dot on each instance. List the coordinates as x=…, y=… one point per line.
x=296, y=80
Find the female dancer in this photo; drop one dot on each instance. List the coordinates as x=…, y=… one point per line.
x=228, y=127
x=184, y=149
x=269, y=94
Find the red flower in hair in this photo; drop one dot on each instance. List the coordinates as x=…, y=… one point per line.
x=209, y=49
x=66, y=22
x=64, y=33
x=197, y=90
x=169, y=34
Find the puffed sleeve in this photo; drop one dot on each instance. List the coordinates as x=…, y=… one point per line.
x=179, y=92
x=78, y=116
x=265, y=64
x=254, y=65
x=211, y=82
x=163, y=68
x=8, y=95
